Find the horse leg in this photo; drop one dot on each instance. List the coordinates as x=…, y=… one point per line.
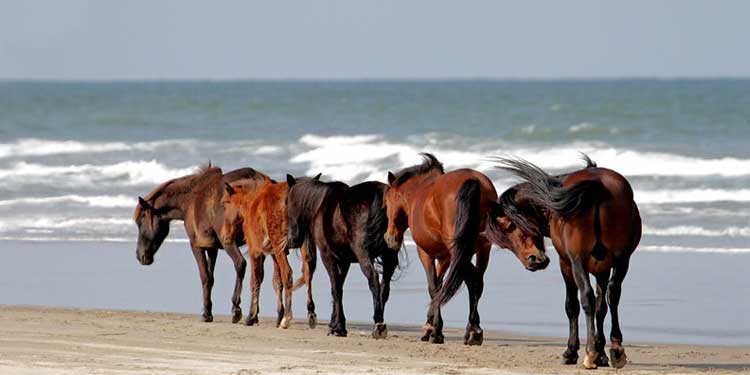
x=617, y=352
x=389, y=262
x=572, y=309
x=432, y=285
x=278, y=287
x=601, y=312
x=256, y=279
x=308, y=268
x=339, y=328
x=365, y=263
x=475, y=284
x=206, y=281
x=440, y=270
x=330, y=265
x=588, y=302
x=240, y=266
x=285, y=273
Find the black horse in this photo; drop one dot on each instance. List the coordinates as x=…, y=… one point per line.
x=347, y=224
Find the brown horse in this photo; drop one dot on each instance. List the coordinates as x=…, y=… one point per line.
x=447, y=213
x=196, y=200
x=595, y=227
x=347, y=225
x=262, y=210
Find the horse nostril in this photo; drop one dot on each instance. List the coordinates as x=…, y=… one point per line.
x=532, y=259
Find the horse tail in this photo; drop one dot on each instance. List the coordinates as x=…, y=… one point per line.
x=377, y=223
x=309, y=261
x=466, y=231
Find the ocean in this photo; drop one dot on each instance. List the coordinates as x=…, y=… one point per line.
x=75, y=156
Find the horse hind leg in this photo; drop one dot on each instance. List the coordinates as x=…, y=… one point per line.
x=240, y=266
x=616, y=351
x=602, y=279
x=588, y=302
x=475, y=284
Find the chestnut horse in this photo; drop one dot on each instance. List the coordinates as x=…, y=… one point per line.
x=447, y=213
x=263, y=214
x=347, y=225
x=595, y=227
x=196, y=200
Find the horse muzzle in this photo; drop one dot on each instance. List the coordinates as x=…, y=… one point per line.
x=537, y=263
x=144, y=260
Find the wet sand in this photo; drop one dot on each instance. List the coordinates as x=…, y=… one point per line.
x=40, y=340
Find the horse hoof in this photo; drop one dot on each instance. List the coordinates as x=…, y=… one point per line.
x=207, y=318
x=589, y=363
x=602, y=360
x=474, y=337
x=437, y=339
x=284, y=324
x=380, y=331
x=312, y=320
x=570, y=357
x=619, y=359
x=251, y=321
x=237, y=316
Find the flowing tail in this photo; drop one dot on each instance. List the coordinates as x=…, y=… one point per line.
x=309, y=261
x=464, y=240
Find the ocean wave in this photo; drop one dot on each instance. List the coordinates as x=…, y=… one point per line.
x=686, y=249
x=691, y=196
x=45, y=147
x=107, y=201
x=691, y=230
x=126, y=172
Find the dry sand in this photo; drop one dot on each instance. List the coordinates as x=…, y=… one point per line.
x=39, y=340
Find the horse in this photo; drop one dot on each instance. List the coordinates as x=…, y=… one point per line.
x=196, y=200
x=452, y=216
x=595, y=227
x=347, y=225
x=262, y=211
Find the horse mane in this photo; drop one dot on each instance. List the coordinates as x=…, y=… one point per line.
x=244, y=174
x=548, y=192
x=589, y=163
x=178, y=186
x=313, y=193
x=429, y=163
x=514, y=212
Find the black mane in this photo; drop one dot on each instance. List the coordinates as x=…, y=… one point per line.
x=429, y=163
x=312, y=193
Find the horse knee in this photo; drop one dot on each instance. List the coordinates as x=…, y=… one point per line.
x=588, y=300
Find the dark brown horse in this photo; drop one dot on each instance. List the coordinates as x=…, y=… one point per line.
x=595, y=227
x=196, y=200
x=347, y=225
x=262, y=209
x=447, y=213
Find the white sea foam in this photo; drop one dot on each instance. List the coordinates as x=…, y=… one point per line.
x=691, y=230
x=687, y=249
x=43, y=147
x=108, y=201
x=127, y=173
x=691, y=196
x=581, y=127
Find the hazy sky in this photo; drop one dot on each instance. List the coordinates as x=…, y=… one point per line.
x=151, y=39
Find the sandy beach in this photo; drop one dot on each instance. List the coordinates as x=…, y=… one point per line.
x=40, y=340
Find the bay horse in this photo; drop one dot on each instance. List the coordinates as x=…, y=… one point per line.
x=452, y=217
x=196, y=200
x=262, y=211
x=595, y=227
x=347, y=225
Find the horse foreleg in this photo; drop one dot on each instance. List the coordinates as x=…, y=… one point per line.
x=256, y=279
x=339, y=329
x=572, y=309
x=428, y=263
x=368, y=269
x=308, y=268
x=240, y=266
x=207, y=281
x=390, y=262
x=617, y=352
x=601, y=313
x=588, y=302
x=285, y=273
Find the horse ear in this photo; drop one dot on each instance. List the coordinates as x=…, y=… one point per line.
x=229, y=189
x=142, y=202
x=391, y=178
x=290, y=180
x=317, y=178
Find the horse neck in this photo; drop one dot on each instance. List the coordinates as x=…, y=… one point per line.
x=410, y=188
x=173, y=201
